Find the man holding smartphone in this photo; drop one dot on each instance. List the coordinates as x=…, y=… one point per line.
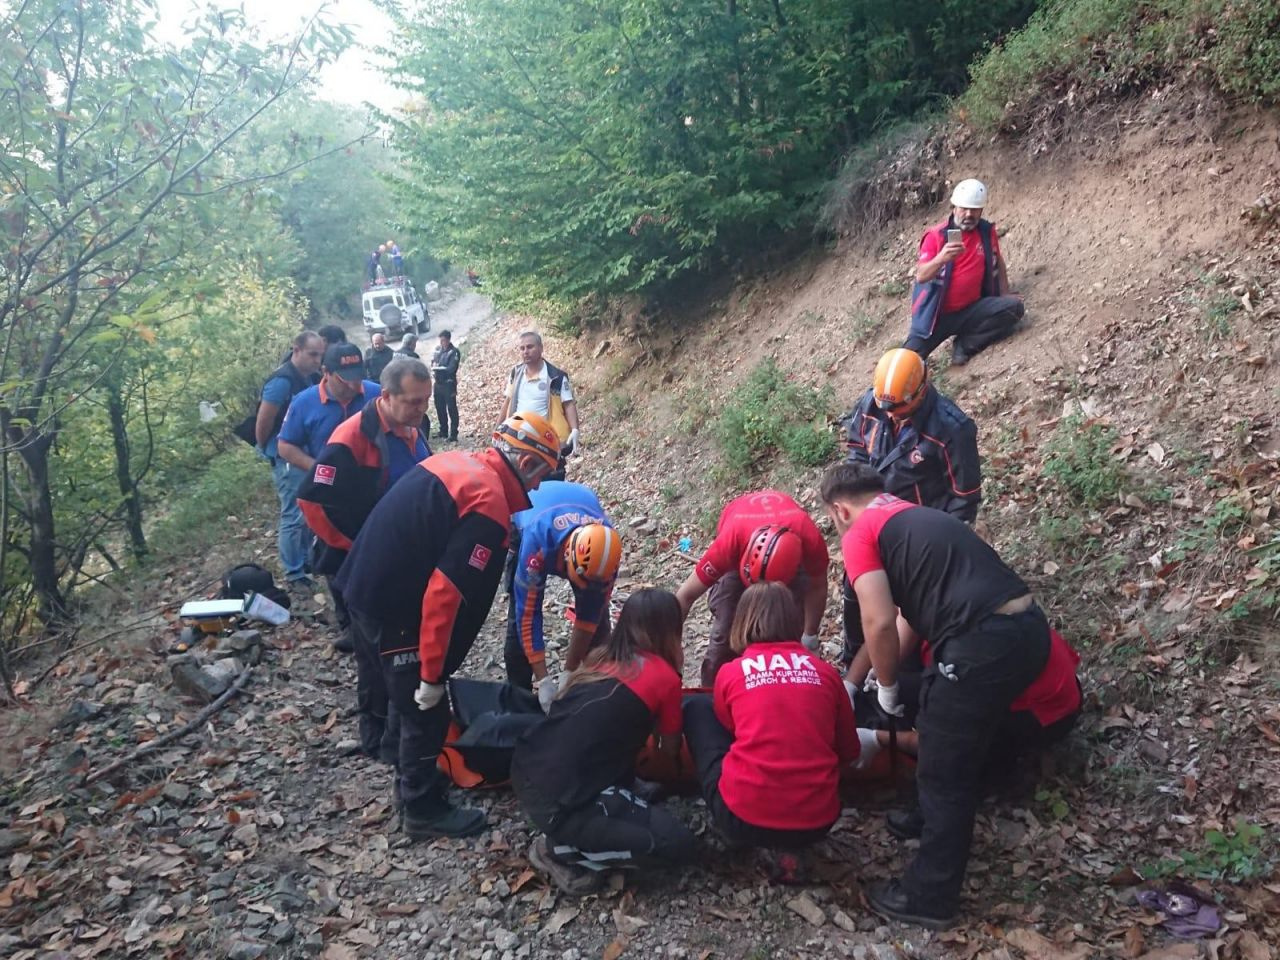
x=962, y=287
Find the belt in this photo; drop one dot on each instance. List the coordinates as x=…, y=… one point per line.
x=1012, y=608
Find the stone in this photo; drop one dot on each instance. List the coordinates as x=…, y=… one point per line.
x=807, y=909
x=245, y=950
x=504, y=939
x=80, y=711
x=11, y=840
x=200, y=683
x=281, y=932
x=844, y=922
x=885, y=951
x=176, y=792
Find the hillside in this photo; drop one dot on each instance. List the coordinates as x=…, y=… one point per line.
x=1130, y=450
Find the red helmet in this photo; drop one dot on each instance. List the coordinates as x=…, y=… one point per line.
x=773, y=554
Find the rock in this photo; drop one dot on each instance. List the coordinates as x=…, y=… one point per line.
x=885, y=951
x=201, y=683
x=505, y=939
x=80, y=711
x=177, y=792
x=282, y=932
x=844, y=922
x=245, y=950
x=87, y=680
x=11, y=840
x=806, y=908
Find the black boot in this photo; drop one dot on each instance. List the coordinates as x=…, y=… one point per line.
x=892, y=902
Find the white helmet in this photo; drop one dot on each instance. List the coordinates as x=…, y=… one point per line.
x=970, y=194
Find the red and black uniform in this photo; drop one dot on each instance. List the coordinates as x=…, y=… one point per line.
x=419, y=582
x=364, y=455
x=770, y=744
x=573, y=772
x=717, y=568
x=949, y=585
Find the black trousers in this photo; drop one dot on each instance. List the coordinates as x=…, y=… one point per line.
x=413, y=738
x=618, y=829
x=960, y=718
x=976, y=327
x=447, y=410
x=709, y=742
x=372, y=705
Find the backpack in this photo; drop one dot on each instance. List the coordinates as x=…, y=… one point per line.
x=251, y=578
x=247, y=429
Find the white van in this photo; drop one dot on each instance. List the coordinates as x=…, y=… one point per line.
x=393, y=307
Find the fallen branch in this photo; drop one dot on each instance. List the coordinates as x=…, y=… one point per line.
x=197, y=720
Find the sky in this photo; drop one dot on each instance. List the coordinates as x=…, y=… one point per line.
x=353, y=78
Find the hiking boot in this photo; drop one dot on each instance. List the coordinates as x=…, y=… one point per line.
x=450, y=821
x=343, y=642
x=905, y=824
x=959, y=356
x=574, y=880
x=890, y=901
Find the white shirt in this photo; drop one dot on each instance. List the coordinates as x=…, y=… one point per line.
x=531, y=391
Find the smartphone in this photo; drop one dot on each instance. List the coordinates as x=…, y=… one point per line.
x=955, y=236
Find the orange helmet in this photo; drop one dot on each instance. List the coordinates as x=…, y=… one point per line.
x=528, y=432
x=773, y=554
x=900, y=379
x=592, y=553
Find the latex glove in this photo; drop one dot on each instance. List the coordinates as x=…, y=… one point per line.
x=548, y=687
x=428, y=694
x=572, y=442
x=887, y=697
x=851, y=690
x=870, y=684
x=870, y=745
x=811, y=642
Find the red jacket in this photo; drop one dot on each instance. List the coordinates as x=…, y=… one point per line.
x=793, y=730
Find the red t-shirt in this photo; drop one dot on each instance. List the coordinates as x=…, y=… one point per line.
x=793, y=729
x=747, y=514
x=967, y=270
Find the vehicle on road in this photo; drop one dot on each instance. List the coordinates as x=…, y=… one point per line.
x=393, y=307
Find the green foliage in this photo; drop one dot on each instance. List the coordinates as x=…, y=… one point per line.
x=576, y=148
x=1080, y=462
x=1120, y=46
x=216, y=496
x=1244, y=854
x=1054, y=803
x=770, y=414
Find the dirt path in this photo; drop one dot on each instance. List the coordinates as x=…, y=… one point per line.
x=461, y=310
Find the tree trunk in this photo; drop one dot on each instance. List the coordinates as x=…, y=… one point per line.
x=124, y=475
x=52, y=606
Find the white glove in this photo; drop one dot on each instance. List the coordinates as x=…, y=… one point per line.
x=428, y=694
x=572, y=442
x=851, y=690
x=870, y=745
x=548, y=687
x=870, y=683
x=811, y=642
x=887, y=697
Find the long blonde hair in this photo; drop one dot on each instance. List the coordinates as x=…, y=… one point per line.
x=650, y=622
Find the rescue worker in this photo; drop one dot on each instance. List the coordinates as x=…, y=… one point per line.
x=962, y=286
x=365, y=455
x=989, y=642
x=419, y=582
x=763, y=536
x=924, y=447
x=566, y=533
x=444, y=367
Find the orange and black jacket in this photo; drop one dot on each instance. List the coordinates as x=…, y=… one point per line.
x=429, y=557
x=350, y=475
x=930, y=458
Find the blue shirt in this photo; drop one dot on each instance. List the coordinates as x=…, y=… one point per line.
x=314, y=414
x=402, y=456
x=277, y=391
x=558, y=509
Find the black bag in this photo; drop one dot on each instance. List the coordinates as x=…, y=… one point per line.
x=249, y=577
x=491, y=716
x=247, y=429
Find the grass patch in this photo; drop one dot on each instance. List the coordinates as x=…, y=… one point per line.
x=199, y=520
x=1243, y=854
x=1080, y=463
x=770, y=416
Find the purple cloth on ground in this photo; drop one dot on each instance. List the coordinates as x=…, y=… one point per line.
x=1187, y=915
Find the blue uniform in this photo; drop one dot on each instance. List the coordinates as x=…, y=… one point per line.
x=558, y=509
x=314, y=415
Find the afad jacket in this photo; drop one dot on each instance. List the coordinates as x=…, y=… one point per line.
x=931, y=460
x=349, y=477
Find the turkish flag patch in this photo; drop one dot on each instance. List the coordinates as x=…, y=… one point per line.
x=480, y=555
x=326, y=474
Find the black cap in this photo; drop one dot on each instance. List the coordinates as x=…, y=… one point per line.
x=346, y=361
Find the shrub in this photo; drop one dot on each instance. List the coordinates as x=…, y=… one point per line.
x=770, y=415
x=1080, y=461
